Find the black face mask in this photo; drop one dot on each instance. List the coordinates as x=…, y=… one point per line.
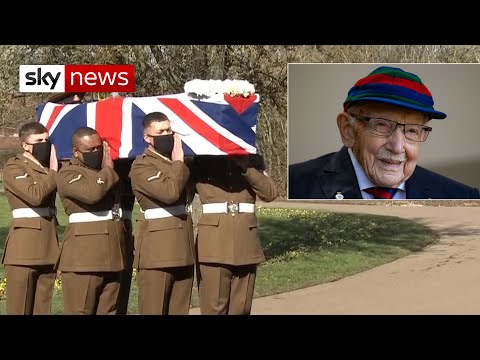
x=41, y=152
x=163, y=144
x=93, y=159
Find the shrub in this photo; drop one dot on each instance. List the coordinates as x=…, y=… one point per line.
x=7, y=154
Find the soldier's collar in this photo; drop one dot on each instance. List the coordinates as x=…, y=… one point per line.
x=157, y=155
x=75, y=161
x=34, y=164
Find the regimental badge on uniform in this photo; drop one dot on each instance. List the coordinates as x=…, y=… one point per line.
x=157, y=176
x=100, y=181
x=265, y=173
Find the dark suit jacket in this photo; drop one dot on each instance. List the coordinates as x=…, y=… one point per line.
x=323, y=177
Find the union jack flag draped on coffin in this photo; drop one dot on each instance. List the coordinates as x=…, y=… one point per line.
x=206, y=126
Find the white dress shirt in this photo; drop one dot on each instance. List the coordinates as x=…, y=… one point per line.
x=364, y=182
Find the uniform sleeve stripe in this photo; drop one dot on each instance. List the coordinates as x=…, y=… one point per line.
x=75, y=179
x=154, y=176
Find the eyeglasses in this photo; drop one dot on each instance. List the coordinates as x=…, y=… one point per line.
x=385, y=128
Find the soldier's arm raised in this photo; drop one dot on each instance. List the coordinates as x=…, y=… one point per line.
x=165, y=186
x=17, y=180
x=262, y=184
x=90, y=189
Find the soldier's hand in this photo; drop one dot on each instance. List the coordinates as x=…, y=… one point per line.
x=177, y=153
x=53, y=159
x=242, y=161
x=107, y=159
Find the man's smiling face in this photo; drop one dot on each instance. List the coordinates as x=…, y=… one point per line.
x=387, y=161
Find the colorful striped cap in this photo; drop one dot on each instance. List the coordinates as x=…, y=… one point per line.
x=394, y=86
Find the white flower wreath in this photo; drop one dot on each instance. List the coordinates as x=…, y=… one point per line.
x=215, y=88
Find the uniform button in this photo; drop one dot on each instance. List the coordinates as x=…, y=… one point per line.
x=229, y=173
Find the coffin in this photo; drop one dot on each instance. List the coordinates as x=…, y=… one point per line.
x=210, y=122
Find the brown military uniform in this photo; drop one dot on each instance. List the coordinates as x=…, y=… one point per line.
x=93, y=252
x=228, y=245
x=31, y=247
x=127, y=201
x=163, y=245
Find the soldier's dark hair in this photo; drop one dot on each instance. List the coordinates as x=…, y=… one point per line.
x=81, y=132
x=32, y=128
x=153, y=117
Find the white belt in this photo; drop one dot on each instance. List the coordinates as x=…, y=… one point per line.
x=160, y=213
x=225, y=208
x=32, y=212
x=94, y=216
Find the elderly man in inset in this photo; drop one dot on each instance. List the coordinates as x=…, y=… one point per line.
x=384, y=123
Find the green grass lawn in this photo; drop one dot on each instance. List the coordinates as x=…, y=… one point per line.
x=302, y=247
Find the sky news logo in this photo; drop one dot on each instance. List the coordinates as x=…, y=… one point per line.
x=76, y=78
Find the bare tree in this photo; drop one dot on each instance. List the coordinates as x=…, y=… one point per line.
x=164, y=69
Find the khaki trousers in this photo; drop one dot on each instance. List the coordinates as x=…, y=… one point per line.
x=226, y=289
x=29, y=289
x=92, y=293
x=165, y=291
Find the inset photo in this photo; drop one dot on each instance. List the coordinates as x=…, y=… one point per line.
x=383, y=131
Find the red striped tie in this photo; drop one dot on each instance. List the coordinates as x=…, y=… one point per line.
x=381, y=192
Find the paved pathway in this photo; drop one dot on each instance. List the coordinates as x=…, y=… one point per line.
x=444, y=278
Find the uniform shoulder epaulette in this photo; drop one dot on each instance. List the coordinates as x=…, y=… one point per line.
x=15, y=160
